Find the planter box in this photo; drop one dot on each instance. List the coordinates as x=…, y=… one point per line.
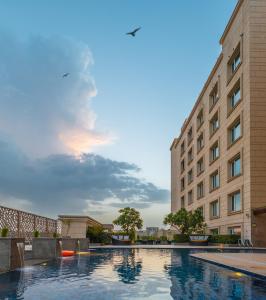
x=45, y=248
x=72, y=244
x=11, y=257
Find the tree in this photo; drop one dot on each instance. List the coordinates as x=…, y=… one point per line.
x=129, y=220
x=96, y=234
x=186, y=222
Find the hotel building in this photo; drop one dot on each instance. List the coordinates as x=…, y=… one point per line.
x=218, y=162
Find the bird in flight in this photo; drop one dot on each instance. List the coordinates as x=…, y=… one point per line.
x=65, y=75
x=133, y=33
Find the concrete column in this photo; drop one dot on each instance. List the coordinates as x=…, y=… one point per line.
x=45, y=248
x=10, y=257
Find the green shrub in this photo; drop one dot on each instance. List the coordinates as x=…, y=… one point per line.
x=55, y=235
x=4, y=232
x=163, y=238
x=181, y=238
x=36, y=233
x=96, y=234
x=224, y=238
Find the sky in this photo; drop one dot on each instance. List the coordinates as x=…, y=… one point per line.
x=98, y=139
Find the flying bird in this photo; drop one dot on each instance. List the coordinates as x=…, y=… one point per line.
x=133, y=33
x=65, y=75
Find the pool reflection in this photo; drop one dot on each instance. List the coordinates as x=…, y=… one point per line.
x=151, y=274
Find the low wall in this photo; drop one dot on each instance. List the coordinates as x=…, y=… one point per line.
x=10, y=258
x=45, y=248
x=72, y=244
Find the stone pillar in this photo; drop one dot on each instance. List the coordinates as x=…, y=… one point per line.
x=45, y=248
x=10, y=257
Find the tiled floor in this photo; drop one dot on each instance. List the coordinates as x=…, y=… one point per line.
x=251, y=262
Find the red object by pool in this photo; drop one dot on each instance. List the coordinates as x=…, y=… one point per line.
x=66, y=253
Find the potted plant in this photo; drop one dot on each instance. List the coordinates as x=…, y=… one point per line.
x=36, y=233
x=4, y=232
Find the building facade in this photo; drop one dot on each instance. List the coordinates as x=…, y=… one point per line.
x=218, y=162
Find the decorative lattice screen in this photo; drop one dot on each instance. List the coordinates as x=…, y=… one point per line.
x=23, y=224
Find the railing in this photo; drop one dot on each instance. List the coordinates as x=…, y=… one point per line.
x=23, y=224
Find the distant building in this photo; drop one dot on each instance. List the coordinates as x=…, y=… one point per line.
x=152, y=230
x=76, y=226
x=108, y=227
x=218, y=162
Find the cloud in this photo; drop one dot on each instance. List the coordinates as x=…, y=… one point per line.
x=41, y=111
x=67, y=184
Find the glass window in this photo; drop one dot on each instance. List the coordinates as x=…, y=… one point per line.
x=214, y=209
x=182, y=147
x=236, y=61
x=190, y=135
x=200, y=166
x=214, y=123
x=235, y=167
x=214, y=152
x=190, y=176
x=235, y=131
x=201, y=209
x=190, y=155
x=182, y=202
x=200, y=119
x=214, y=95
x=234, y=230
x=215, y=180
x=200, y=142
x=190, y=197
x=235, y=202
x=183, y=165
x=182, y=183
x=200, y=190
x=235, y=97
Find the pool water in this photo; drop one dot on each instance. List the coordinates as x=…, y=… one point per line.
x=130, y=274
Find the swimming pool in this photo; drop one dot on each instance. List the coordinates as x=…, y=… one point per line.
x=130, y=274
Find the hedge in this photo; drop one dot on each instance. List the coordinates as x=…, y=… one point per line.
x=181, y=238
x=224, y=238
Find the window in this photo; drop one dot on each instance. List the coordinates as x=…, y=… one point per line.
x=190, y=155
x=214, y=180
x=234, y=62
x=214, y=124
x=200, y=142
x=235, y=166
x=200, y=119
x=200, y=190
x=201, y=210
x=234, y=230
x=214, y=96
x=190, y=176
x=235, y=131
x=190, y=197
x=183, y=202
x=183, y=147
x=235, y=202
x=190, y=135
x=214, y=231
x=234, y=96
x=200, y=166
x=214, y=209
x=214, y=152
x=182, y=165
x=182, y=183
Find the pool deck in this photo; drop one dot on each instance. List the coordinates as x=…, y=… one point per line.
x=253, y=263
x=171, y=247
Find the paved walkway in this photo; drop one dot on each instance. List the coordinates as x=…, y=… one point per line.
x=250, y=262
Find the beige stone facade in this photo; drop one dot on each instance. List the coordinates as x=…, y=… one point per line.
x=218, y=162
x=74, y=226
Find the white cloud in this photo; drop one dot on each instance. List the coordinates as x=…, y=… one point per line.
x=41, y=111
